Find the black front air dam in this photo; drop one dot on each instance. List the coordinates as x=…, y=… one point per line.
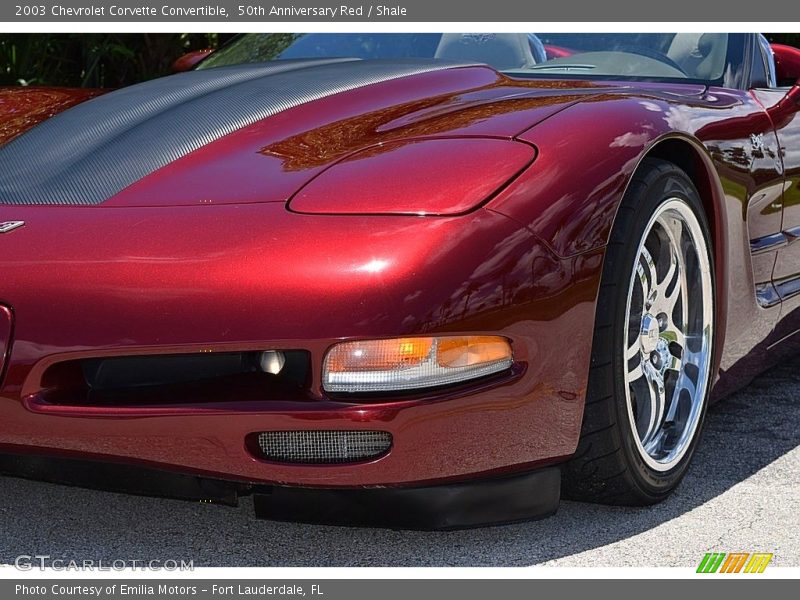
x=463, y=505
x=116, y=477
x=476, y=503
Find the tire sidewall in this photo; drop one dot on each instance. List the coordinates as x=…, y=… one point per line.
x=653, y=484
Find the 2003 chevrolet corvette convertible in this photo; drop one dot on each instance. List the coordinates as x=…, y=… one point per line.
x=410, y=280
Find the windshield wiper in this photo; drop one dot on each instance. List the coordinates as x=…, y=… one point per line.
x=562, y=67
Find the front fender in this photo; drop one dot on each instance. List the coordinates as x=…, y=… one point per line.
x=588, y=153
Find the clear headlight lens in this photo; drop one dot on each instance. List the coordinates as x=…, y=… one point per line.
x=413, y=363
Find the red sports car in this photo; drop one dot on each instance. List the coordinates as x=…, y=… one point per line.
x=409, y=280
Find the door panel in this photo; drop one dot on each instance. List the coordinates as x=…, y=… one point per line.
x=786, y=276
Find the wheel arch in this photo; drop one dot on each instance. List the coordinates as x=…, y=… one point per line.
x=615, y=134
x=691, y=156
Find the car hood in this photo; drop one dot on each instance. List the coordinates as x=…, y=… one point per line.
x=257, y=133
x=22, y=108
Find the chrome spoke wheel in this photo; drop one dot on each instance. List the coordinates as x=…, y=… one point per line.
x=668, y=335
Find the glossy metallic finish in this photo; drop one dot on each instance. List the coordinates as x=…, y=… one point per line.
x=6, y=329
x=236, y=284
x=669, y=335
x=24, y=107
x=190, y=60
x=210, y=254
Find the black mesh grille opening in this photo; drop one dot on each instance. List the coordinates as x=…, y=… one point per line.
x=323, y=447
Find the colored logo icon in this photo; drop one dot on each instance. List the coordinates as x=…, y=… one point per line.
x=735, y=562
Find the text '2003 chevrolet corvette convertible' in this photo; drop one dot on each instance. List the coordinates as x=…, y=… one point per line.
x=412, y=280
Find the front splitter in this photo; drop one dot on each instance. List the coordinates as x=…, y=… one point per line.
x=466, y=504
x=462, y=505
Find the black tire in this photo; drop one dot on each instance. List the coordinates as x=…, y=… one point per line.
x=607, y=467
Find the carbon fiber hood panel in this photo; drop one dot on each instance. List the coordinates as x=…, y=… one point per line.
x=91, y=152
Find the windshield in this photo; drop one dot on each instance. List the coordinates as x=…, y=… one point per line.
x=692, y=57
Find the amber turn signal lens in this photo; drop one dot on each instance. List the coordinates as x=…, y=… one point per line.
x=412, y=363
x=378, y=355
x=472, y=350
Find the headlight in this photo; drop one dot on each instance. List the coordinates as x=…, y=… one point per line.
x=413, y=363
x=419, y=177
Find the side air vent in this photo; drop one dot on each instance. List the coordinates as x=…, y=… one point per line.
x=323, y=447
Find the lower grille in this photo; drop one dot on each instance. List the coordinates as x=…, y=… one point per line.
x=323, y=447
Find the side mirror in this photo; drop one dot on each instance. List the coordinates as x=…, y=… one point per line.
x=188, y=61
x=787, y=71
x=787, y=64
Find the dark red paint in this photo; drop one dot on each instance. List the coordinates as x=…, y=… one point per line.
x=203, y=256
x=23, y=107
x=6, y=326
x=444, y=176
x=190, y=60
x=557, y=51
x=787, y=62
x=273, y=158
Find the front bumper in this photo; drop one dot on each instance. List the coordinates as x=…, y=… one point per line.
x=506, y=423
x=254, y=277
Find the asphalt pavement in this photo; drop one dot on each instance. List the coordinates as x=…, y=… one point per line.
x=742, y=494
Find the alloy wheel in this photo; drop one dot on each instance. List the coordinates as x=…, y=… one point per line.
x=669, y=335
